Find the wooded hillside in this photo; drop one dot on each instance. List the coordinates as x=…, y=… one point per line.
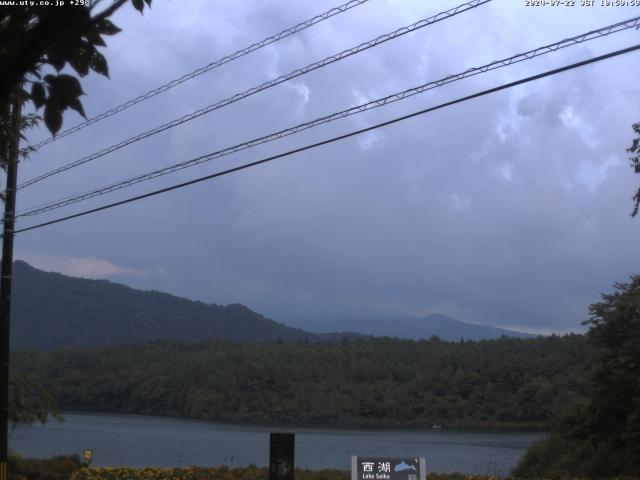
x=492, y=383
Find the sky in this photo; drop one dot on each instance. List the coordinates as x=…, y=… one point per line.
x=512, y=209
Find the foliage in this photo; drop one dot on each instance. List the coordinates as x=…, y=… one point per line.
x=600, y=436
x=55, y=468
x=9, y=135
x=33, y=37
x=72, y=468
x=29, y=401
x=223, y=473
x=189, y=473
x=634, y=149
x=492, y=383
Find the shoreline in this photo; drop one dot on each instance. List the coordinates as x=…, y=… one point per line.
x=268, y=427
x=144, y=441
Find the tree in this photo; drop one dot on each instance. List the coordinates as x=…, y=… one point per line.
x=33, y=41
x=634, y=149
x=614, y=410
x=29, y=401
x=33, y=37
x=600, y=437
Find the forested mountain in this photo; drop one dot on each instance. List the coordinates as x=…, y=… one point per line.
x=51, y=310
x=491, y=383
x=403, y=326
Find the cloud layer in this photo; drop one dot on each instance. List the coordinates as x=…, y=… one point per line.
x=512, y=209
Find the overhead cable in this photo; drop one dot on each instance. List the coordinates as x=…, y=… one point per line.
x=207, y=68
x=575, y=40
x=504, y=86
x=271, y=83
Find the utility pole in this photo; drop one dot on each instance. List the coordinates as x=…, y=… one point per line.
x=11, y=149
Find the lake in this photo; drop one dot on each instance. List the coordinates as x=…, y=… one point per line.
x=135, y=440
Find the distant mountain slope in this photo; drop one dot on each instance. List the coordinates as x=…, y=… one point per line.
x=51, y=310
x=400, y=326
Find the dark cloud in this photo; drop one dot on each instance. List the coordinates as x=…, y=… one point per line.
x=511, y=209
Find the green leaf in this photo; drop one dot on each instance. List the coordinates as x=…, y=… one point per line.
x=38, y=94
x=53, y=117
x=99, y=64
x=93, y=36
x=138, y=5
x=79, y=60
x=64, y=87
x=148, y=2
x=64, y=91
x=76, y=105
x=106, y=27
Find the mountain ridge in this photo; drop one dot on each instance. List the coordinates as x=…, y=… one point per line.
x=411, y=328
x=52, y=310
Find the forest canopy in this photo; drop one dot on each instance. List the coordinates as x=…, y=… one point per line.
x=492, y=383
x=599, y=435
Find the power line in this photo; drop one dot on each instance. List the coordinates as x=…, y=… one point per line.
x=252, y=91
x=340, y=137
x=594, y=34
x=218, y=63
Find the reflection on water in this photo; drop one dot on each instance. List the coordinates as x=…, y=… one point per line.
x=132, y=440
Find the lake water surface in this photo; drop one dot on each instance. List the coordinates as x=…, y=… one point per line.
x=133, y=440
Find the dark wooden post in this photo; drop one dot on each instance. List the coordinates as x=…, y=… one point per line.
x=281, y=454
x=11, y=150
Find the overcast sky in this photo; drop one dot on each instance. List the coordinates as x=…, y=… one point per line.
x=511, y=210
